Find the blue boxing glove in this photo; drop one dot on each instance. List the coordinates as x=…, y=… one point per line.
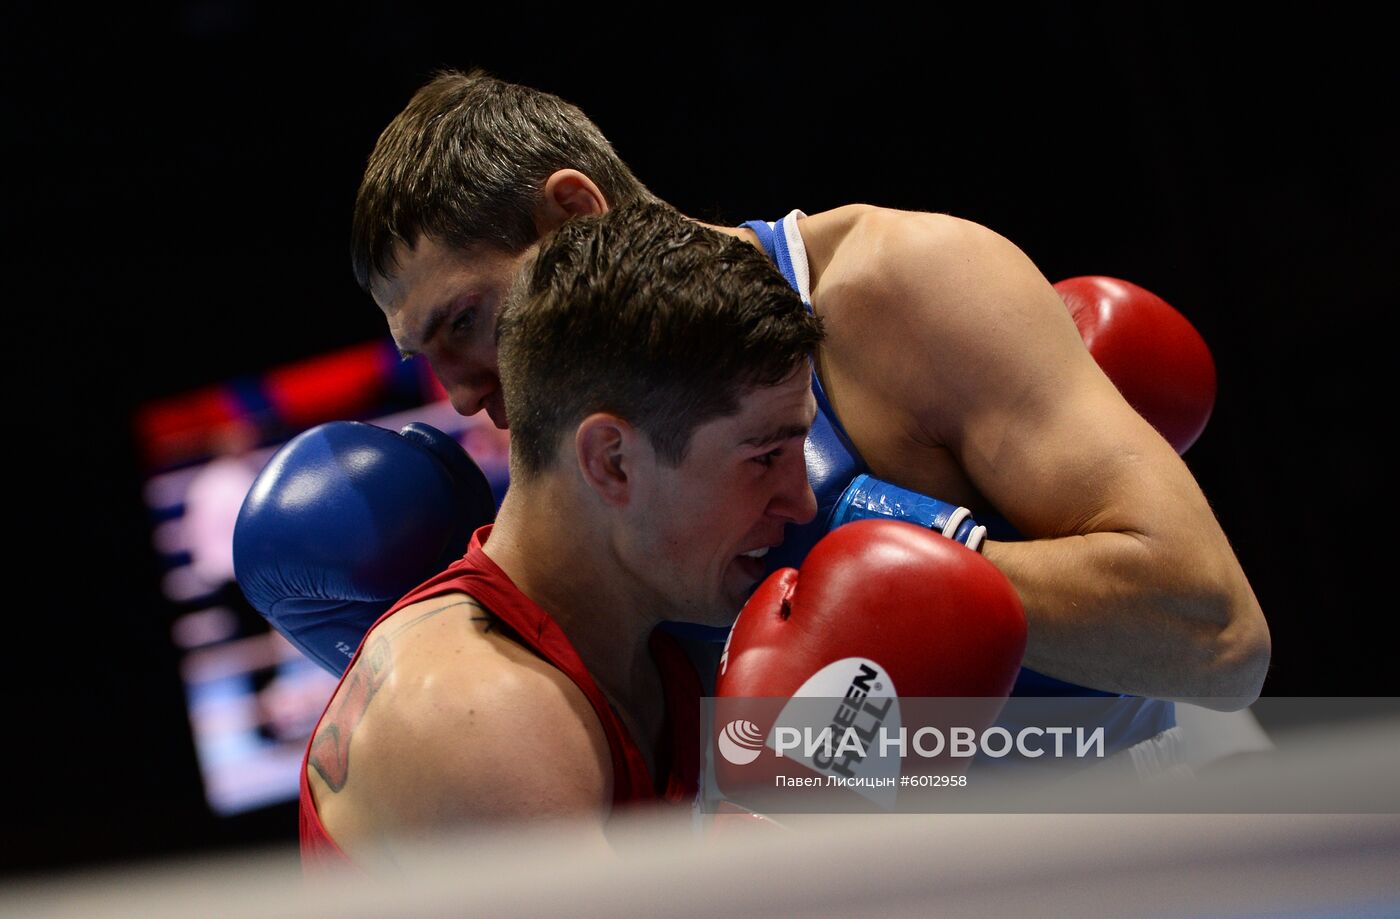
x=347, y=518
x=845, y=491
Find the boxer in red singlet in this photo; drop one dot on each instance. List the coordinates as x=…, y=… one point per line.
x=657, y=382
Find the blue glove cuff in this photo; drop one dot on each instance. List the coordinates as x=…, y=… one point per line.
x=868, y=498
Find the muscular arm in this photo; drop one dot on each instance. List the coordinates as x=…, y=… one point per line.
x=450, y=727
x=1128, y=581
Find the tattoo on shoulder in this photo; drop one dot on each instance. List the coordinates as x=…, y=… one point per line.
x=330, y=748
x=479, y=613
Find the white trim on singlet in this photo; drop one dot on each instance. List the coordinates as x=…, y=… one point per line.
x=797, y=252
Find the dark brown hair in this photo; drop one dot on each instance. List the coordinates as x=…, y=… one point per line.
x=465, y=163
x=647, y=315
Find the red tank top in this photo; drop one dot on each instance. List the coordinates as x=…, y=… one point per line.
x=478, y=576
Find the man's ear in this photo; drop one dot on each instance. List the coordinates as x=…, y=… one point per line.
x=608, y=450
x=567, y=193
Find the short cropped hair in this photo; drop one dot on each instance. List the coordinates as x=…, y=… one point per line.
x=465, y=163
x=647, y=315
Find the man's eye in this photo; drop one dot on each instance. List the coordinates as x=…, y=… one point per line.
x=767, y=459
x=465, y=321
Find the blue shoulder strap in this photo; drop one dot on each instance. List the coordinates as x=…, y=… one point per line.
x=764, y=231
x=775, y=246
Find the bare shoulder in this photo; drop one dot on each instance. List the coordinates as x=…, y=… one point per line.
x=919, y=307
x=492, y=733
x=862, y=254
x=446, y=719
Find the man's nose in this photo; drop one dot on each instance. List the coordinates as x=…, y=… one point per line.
x=796, y=502
x=465, y=390
x=466, y=399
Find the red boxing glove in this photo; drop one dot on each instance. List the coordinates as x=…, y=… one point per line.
x=880, y=612
x=1152, y=353
x=940, y=619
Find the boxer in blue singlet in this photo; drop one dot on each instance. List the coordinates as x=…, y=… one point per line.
x=832, y=456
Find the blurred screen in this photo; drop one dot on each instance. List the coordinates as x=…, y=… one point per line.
x=252, y=698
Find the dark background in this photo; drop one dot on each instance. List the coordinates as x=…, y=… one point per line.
x=178, y=209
